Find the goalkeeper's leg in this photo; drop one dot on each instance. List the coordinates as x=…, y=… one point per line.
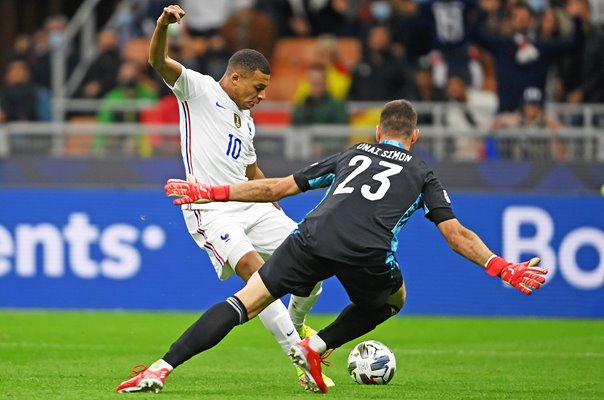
x=355, y=321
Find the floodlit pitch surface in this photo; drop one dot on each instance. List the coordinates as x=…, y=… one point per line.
x=75, y=355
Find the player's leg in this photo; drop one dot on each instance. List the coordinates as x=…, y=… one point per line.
x=219, y=320
x=371, y=305
x=297, y=271
x=205, y=333
x=225, y=242
x=224, y=237
x=275, y=316
x=270, y=228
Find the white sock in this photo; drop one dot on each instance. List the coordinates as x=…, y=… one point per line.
x=160, y=364
x=317, y=344
x=276, y=319
x=299, y=307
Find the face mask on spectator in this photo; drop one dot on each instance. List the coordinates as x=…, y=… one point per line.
x=381, y=10
x=537, y=5
x=55, y=40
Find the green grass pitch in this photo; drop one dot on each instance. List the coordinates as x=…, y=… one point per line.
x=85, y=355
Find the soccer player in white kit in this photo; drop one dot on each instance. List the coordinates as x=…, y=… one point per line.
x=217, y=135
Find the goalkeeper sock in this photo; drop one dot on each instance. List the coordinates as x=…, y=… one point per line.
x=355, y=321
x=299, y=307
x=276, y=319
x=207, y=331
x=317, y=344
x=160, y=364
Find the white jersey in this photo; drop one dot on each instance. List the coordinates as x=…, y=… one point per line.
x=216, y=137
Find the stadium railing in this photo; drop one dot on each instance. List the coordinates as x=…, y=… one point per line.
x=61, y=139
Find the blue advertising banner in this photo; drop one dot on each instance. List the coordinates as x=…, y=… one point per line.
x=129, y=249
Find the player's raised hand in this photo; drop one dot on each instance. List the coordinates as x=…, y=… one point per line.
x=170, y=15
x=525, y=276
x=191, y=191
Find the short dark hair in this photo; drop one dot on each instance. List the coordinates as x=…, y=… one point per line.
x=250, y=60
x=398, y=117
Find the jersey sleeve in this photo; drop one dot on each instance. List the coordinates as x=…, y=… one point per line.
x=318, y=175
x=190, y=84
x=250, y=153
x=437, y=204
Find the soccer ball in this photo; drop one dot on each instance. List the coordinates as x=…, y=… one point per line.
x=371, y=363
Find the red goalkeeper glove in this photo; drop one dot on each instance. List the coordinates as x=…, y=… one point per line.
x=525, y=276
x=191, y=191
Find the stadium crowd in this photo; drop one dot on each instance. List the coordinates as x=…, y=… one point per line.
x=495, y=62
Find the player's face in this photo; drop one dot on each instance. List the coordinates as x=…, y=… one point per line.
x=250, y=89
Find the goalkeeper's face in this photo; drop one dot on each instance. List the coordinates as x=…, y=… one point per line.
x=250, y=89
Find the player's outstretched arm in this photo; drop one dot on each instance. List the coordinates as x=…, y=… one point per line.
x=168, y=68
x=525, y=276
x=257, y=190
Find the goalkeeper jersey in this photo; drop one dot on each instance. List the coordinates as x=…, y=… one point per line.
x=373, y=191
x=216, y=137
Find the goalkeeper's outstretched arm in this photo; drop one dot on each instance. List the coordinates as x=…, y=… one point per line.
x=257, y=190
x=525, y=276
x=264, y=190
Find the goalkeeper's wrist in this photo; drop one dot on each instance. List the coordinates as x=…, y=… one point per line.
x=220, y=193
x=495, y=264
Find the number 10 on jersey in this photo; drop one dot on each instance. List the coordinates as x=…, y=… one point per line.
x=234, y=148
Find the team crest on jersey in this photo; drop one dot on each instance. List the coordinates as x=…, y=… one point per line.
x=237, y=120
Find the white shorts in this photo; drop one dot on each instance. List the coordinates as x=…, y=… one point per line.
x=228, y=234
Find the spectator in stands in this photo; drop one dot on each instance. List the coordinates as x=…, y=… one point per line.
x=206, y=17
x=130, y=88
x=423, y=90
x=493, y=14
x=22, y=49
x=319, y=107
x=450, y=23
x=380, y=76
x=250, y=28
x=152, y=10
x=532, y=116
x=582, y=74
x=410, y=30
x=127, y=20
x=335, y=17
x=337, y=71
x=51, y=38
x=289, y=16
x=164, y=112
x=21, y=99
x=101, y=77
x=468, y=110
x=382, y=12
x=550, y=24
x=521, y=60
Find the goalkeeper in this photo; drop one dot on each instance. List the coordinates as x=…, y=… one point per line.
x=352, y=234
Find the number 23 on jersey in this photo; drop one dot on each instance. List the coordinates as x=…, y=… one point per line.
x=363, y=163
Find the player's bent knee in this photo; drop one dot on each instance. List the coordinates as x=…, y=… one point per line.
x=248, y=264
x=255, y=296
x=397, y=299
